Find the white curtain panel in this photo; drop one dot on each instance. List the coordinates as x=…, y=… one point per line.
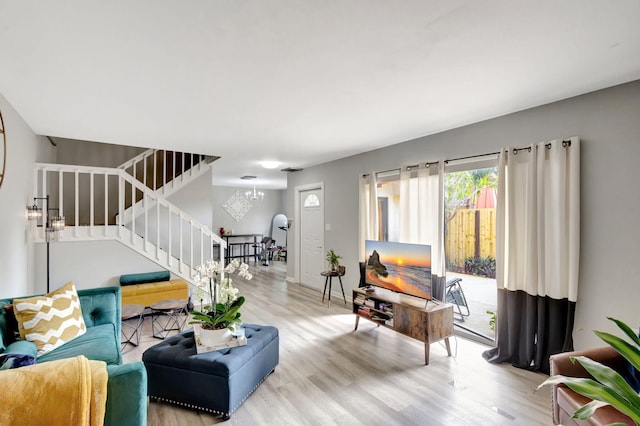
x=538, y=220
x=422, y=211
x=368, y=207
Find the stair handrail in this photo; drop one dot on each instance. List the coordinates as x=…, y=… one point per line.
x=144, y=154
x=148, y=195
x=133, y=163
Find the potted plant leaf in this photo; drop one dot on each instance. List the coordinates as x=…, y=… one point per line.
x=334, y=259
x=607, y=387
x=221, y=315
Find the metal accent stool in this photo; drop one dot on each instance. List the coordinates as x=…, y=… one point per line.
x=172, y=310
x=132, y=319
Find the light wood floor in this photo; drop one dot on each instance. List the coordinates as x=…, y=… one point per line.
x=330, y=375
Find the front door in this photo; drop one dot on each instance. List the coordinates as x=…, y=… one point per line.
x=312, y=238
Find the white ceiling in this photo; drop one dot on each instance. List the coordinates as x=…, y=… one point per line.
x=300, y=82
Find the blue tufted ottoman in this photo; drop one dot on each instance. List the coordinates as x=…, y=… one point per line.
x=217, y=381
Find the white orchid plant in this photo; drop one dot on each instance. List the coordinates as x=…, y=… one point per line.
x=223, y=302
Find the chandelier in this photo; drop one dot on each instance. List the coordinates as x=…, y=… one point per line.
x=254, y=195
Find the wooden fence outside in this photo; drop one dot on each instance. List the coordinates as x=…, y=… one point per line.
x=471, y=233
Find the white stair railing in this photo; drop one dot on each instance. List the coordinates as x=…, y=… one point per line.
x=92, y=198
x=165, y=170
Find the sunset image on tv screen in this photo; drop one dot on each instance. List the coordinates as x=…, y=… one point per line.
x=400, y=267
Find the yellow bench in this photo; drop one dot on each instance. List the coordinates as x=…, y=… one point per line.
x=136, y=288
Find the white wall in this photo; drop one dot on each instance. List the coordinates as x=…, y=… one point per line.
x=24, y=148
x=608, y=123
x=89, y=264
x=196, y=200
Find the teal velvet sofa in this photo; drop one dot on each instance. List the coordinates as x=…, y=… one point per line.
x=127, y=385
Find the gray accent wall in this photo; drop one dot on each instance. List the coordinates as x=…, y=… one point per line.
x=95, y=154
x=608, y=123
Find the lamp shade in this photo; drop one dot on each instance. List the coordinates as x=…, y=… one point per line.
x=57, y=223
x=34, y=212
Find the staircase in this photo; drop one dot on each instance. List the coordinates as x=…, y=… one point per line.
x=128, y=204
x=164, y=172
x=167, y=171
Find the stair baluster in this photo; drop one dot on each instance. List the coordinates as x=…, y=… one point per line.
x=135, y=229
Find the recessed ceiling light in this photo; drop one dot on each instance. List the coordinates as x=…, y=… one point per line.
x=269, y=164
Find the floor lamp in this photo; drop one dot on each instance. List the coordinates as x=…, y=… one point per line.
x=52, y=224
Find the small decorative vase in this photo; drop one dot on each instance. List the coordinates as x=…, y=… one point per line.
x=214, y=337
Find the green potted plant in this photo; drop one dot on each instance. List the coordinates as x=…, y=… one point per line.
x=609, y=387
x=221, y=313
x=333, y=259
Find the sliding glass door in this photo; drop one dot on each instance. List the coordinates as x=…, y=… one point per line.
x=470, y=240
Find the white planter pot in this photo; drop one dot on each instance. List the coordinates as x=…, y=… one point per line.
x=214, y=337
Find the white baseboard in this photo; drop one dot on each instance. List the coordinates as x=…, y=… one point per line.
x=291, y=280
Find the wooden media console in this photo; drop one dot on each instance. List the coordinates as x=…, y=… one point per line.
x=425, y=321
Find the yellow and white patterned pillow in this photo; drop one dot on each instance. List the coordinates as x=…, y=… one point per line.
x=50, y=321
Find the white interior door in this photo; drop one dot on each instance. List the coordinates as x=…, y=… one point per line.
x=312, y=238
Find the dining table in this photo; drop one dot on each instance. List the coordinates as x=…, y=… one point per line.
x=244, y=243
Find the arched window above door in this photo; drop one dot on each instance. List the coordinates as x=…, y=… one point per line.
x=311, y=200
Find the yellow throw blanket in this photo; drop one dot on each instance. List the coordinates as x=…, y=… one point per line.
x=70, y=391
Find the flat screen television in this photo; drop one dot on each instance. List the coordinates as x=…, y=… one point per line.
x=400, y=267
